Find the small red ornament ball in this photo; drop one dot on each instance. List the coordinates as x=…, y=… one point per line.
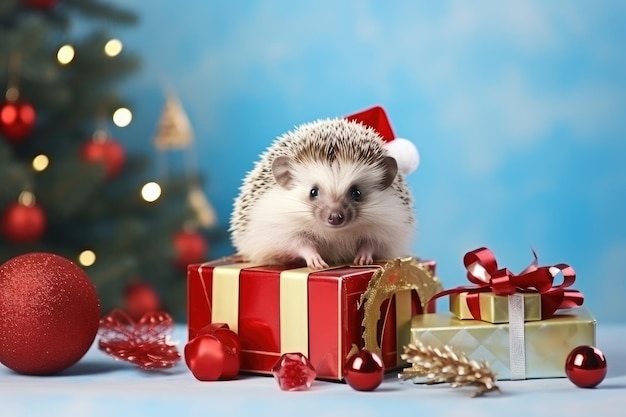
x=107, y=152
x=40, y=4
x=585, y=366
x=17, y=120
x=49, y=313
x=23, y=223
x=364, y=371
x=214, y=354
x=141, y=298
x=190, y=247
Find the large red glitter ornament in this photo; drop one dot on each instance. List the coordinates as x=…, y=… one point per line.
x=585, y=366
x=22, y=223
x=294, y=372
x=17, y=120
x=190, y=247
x=49, y=313
x=106, y=151
x=141, y=298
x=214, y=354
x=364, y=371
x=145, y=342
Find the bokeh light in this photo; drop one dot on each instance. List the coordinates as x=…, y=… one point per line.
x=113, y=47
x=151, y=192
x=65, y=55
x=122, y=117
x=26, y=198
x=40, y=162
x=87, y=257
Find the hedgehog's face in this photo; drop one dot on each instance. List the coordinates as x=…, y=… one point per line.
x=333, y=208
x=334, y=193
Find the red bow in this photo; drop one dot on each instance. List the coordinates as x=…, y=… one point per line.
x=482, y=270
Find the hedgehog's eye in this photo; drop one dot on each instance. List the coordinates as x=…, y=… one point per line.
x=355, y=193
x=314, y=192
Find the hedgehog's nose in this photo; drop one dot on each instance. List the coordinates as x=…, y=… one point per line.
x=335, y=218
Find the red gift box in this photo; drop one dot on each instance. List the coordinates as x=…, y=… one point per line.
x=276, y=310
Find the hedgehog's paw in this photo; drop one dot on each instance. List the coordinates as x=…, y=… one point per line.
x=313, y=258
x=316, y=262
x=365, y=256
x=365, y=259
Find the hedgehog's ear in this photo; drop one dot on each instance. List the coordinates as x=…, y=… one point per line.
x=390, y=170
x=281, y=168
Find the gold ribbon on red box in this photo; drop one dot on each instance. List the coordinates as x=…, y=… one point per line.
x=483, y=271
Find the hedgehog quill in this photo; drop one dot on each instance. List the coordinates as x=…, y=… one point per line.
x=324, y=194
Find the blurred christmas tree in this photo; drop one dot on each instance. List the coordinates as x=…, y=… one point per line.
x=66, y=185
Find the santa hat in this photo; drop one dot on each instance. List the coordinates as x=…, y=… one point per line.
x=402, y=150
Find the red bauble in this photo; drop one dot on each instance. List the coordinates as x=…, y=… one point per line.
x=108, y=152
x=214, y=353
x=41, y=4
x=364, y=371
x=17, y=120
x=49, y=313
x=140, y=299
x=222, y=331
x=204, y=356
x=585, y=366
x=23, y=223
x=190, y=247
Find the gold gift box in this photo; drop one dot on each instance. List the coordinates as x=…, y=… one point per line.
x=494, y=308
x=547, y=342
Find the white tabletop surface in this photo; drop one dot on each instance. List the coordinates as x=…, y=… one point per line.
x=98, y=385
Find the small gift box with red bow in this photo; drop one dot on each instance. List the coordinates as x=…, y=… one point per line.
x=488, y=299
x=280, y=309
x=523, y=325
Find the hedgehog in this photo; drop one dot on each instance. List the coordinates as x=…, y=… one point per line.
x=325, y=193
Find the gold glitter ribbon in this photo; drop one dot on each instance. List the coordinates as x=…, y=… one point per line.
x=397, y=277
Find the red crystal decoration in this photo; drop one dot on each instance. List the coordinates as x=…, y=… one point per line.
x=294, y=372
x=364, y=371
x=145, y=343
x=585, y=366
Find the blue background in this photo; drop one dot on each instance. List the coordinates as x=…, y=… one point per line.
x=517, y=109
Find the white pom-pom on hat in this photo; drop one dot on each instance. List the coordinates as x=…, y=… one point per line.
x=402, y=150
x=405, y=153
